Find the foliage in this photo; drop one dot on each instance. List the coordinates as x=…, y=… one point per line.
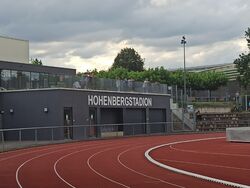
x=176, y=78
x=213, y=80
x=36, y=61
x=197, y=81
x=160, y=75
x=243, y=67
x=128, y=64
x=243, y=64
x=118, y=73
x=87, y=73
x=210, y=81
x=129, y=59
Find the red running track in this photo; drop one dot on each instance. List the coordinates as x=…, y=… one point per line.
x=214, y=158
x=121, y=163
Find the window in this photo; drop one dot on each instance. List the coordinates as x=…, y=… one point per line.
x=44, y=80
x=13, y=81
x=5, y=79
x=23, y=80
x=68, y=81
x=61, y=81
x=34, y=78
x=52, y=80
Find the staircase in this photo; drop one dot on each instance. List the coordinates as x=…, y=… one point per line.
x=189, y=124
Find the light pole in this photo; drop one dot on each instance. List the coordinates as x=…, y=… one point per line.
x=183, y=41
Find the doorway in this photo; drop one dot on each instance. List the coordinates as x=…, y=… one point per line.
x=92, y=131
x=112, y=116
x=68, y=122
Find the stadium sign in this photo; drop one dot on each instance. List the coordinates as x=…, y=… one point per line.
x=128, y=101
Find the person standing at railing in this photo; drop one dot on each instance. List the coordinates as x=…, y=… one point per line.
x=145, y=86
x=118, y=84
x=130, y=84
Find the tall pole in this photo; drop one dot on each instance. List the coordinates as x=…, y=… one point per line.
x=183, y=41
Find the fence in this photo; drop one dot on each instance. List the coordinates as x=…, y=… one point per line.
x=26, y=137
x=94, y=83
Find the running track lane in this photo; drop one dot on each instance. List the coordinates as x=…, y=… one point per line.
x=103, y=163
x=227, y=161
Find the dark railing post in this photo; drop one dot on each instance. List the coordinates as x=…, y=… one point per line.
x=85, y=132
x=36, y=136
x=20, y=136
x=2, y=135
x=68, y=132
x=52, y=134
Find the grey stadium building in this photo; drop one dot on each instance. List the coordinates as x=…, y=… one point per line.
x=44, y=97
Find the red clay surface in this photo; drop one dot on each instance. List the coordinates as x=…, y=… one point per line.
x=121, y=163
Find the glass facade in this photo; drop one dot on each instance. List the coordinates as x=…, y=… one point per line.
x=44, y=80
x=13, y=82
x=5, y=78
x=24, y=80
x=13, y=79
x=35, y=80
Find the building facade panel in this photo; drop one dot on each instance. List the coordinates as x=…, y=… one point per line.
x=14, y=50
x=65, y=107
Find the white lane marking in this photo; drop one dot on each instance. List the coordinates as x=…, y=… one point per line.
x=204, y=164
x=98, y=173
x=21, y=154
x=27, y=161
x=142, y=174
x=63, y=157
x=190, y=173
x=34, y=151
x=210, y=153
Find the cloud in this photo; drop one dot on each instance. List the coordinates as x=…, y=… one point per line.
x=88, y=34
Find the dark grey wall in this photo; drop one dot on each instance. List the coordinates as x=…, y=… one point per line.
x=28, y=109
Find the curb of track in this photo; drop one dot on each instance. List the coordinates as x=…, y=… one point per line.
x=176, y=170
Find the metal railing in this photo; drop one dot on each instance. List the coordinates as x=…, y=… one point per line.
x=27, y=137
x=33, y=136
x=95, y=83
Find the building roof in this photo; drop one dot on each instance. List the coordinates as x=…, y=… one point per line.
x=229, y=69
x=36, y=68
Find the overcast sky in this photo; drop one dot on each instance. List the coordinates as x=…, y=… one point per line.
x=88, y=34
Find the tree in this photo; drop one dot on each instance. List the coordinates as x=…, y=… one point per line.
x=199, y=80
x=213, y=80
x=118, y=73
x=36, y=61
x=243, y=64
x=129, y=59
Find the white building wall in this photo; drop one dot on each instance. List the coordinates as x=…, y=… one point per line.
x=14, y=50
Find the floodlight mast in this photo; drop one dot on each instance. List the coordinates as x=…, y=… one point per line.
x=183, y=41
